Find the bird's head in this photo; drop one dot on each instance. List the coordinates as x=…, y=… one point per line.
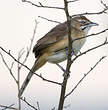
x=81, y=22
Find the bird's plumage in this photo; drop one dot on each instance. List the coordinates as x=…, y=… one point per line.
x=53, y=47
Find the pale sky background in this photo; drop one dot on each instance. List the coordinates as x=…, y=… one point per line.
x=17, y=21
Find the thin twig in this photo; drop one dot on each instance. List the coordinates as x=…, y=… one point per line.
x=92, y=68
x=94, y=13
x=18, y=78
x=86, y=13
x=10, y=69
x=38, y=106
x=31, y=43
x=8, y=107
x=44, y=79
x=104, y=43
x=40, y=76
x=24, y=100
x=72, y=1
x=104, y=4
x=94, y=34
x=41, y=5
x=49, y=20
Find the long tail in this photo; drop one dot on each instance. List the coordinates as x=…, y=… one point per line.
x=38, y=63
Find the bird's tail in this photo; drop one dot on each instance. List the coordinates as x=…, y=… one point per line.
x=38, y=63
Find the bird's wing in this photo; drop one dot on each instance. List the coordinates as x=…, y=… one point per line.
x=56, y=34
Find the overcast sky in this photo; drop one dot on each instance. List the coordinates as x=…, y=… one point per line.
x=17, y=22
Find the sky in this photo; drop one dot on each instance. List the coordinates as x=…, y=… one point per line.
x=17, y=22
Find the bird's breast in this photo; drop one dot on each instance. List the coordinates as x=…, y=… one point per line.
x=58, y=56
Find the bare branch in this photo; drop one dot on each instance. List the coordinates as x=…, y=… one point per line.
x=8, y=53
x=38, y=106
x=93, y=34
x=8, y=107
x=104, y=4
x=12, y=65
x=24, y=100
x=49, y=20
x=72, y=1
x=94, y=13
x=10, y=69
x=21, y=52
x=104, y=43
x=44, y=79
x=41, y=5
x=66, y=74
x=30, y=47
x=92, y=68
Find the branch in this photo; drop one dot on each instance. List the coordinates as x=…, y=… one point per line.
x=94, y=13
x=31, y=43
x=104, y=4
x=72, y=1
x=49, y=20
x=66, y=74
x=104, y=43
x=8, y=53
x=10, y=69
x=44, y=79
x=87, y=13
x=41, y=5
x=94, y=34
x=92, y=68
x=8, y=107
x=24, y=100
x=38, y=106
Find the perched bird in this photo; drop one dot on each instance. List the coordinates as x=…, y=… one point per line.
x=53, y=47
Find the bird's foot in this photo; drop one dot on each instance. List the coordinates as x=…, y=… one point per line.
x=66, y=75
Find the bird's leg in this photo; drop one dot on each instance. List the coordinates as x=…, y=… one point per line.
x=61, y=67
x=72, y=52
x=64, y=71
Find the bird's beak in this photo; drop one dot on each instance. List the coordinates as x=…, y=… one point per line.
x=93, y=24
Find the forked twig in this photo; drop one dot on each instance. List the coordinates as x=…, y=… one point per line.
x=104, y=43
x=10, y=69
x=4, y=107
x=40, y=5
x=85, y=76
x=40, y=76
x=24, y=100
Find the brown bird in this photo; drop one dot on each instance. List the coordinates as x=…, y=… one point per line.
x=53, y=47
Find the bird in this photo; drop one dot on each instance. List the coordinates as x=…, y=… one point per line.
x=53, y=47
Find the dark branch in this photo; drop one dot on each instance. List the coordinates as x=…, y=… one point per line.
x=94, y=13
x=8, y=107
x=24, y=100
x=72, y=1
x=31, y=43
x=41, y=5
x=104, y=4
x=104, y=43
x=8, y=53
x=44, y=79
x=92, y=68
x=10, y=69
x=49, y=20
x=66, y=74
x=94, y=34
x=38, y=106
